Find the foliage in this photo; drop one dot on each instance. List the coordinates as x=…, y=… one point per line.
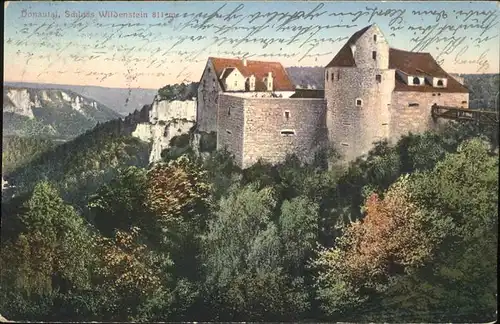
x=483, y=90
x=132, y=275
x=408, y=232
x=18, y=151
x=51, y=253
x=20, y=125
x=176, y=188
x=179, y=91
x=208, y=141
x=120, y=204
x=244, y=269
x=461, y=284
x=78, y=167
x=416, y=250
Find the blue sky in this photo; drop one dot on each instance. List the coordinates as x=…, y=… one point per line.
x=90, y=52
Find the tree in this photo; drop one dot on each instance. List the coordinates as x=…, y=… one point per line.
x=461, y=283
x=243, y=262
x=120, y=204
x=52, y=254
x=134, y=280
x=394, y=238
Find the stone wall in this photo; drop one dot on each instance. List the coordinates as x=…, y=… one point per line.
x=417, y=117
x=353, y=128
x=230, y=123
x=207, y=100
x=265, y=119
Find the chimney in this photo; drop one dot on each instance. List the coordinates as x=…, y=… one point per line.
x=244, y=62
x=269, y=81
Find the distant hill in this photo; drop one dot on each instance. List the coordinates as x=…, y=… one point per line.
x=483, y=90
x=307, y=76
x=121, y=100
x=50, y=112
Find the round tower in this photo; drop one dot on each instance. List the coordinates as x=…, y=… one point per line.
x=358, y=90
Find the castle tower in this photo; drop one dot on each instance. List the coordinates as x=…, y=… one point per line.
x=358, y=90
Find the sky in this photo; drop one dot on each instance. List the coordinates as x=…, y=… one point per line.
x=157, y=43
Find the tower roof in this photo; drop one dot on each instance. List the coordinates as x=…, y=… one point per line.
x=344, y=57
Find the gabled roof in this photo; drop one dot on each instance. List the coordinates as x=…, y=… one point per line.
x=421, y=64
x=260, y=69
x=411, y=63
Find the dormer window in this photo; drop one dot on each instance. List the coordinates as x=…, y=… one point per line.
x=416, y=81
x=440, y=83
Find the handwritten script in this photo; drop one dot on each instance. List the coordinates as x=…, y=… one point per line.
x=145, y=44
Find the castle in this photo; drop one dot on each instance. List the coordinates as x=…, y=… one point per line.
x=372, y=92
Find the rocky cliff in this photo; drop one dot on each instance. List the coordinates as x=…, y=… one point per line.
x=165, y=119
x=54, y=112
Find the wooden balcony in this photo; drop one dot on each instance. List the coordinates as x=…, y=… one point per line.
x=454, y=113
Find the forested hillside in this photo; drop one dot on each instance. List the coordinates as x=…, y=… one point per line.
x=77, y=167
x=197, y=239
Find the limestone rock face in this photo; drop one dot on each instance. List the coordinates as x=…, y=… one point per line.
x=166, y=119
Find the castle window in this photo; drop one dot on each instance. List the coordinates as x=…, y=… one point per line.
x=374, y=38
x=385, y=124
x=346, y=124
x=440, y=83
x=333, y=76
x=344, y=144
x=439, y=94
x=416, y=80
x=338, y=75
x=378, y=77
x=228, y=131
x=287, y=115
x=433, y=94
x=287, y=132
x=229, y=111
x=235, y=83
x=413, y=104
x=374, y=55
x=359, y=102
x=464, y=102
x=326, y=76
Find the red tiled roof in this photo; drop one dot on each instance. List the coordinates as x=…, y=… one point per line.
x=421, y=64
x=260, y=69
x=412, y=63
